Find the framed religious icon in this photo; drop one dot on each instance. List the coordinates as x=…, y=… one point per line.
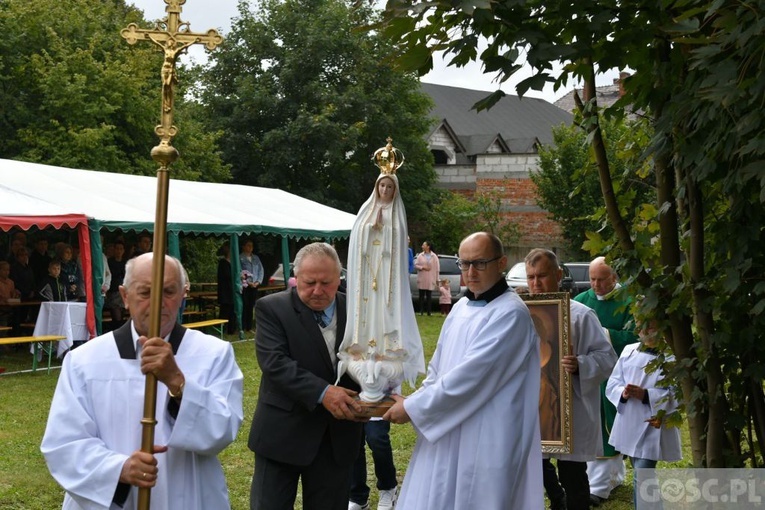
x=550, y=313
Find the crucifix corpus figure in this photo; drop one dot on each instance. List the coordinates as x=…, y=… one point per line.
x=173, y=36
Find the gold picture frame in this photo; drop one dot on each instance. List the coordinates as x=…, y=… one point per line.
x=551, y=315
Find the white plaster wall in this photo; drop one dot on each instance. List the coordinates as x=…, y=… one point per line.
x=506, y=165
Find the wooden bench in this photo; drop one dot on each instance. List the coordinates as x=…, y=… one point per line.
x=192, y=313
x=36, y=340
x=216, y=324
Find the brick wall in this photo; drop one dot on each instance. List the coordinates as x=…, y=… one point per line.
x=520, y=206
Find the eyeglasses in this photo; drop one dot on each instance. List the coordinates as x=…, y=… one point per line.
x=479, y=264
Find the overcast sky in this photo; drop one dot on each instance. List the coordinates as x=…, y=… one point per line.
x=205, y=14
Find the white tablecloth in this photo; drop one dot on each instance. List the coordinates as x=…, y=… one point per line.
x=64, y=319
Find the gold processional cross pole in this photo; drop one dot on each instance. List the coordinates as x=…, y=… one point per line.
x=172, y=36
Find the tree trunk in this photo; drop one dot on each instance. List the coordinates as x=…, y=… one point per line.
x=681, y=335
x=704, y=328
x=591, y=120
x=757, y=403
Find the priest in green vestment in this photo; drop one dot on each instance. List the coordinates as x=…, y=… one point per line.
x=612, y=305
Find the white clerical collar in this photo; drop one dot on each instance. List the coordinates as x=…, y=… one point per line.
x=610, y=294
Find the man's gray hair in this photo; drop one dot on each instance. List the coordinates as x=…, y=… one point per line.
x=537, y=254
x=316, y=250
x=130, y=265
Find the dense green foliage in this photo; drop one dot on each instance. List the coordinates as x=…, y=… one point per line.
x=695, y=250
x=455, y=216
x=75, y=94
x=304, y=98
x=569, y=188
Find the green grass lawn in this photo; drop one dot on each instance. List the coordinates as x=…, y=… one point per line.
x=25, y=483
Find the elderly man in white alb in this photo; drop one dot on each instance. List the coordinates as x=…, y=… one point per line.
x=591, y=363
x=93, y=437
x=477, y=412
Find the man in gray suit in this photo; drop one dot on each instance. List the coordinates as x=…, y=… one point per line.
x=304, y=426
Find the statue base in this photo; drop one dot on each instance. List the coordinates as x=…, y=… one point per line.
x=374, y=409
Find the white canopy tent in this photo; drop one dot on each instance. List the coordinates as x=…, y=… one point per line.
x=42, y=195
x=128, y=202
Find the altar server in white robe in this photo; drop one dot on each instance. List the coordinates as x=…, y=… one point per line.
x=93, y=437
x=642, y=404
x=477, y=412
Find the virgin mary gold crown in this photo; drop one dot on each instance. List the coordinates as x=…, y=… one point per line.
x=388, y=159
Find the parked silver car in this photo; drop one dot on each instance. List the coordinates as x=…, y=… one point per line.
x=449, y=270
x=580, y=271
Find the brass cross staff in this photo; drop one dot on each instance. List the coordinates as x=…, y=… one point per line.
x=172, y=36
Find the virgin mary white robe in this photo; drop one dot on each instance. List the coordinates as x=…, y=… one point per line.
x=477, y=414
x=384, y=314
x=94, y=425
x=631, y=434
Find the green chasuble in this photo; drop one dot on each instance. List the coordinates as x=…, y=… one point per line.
x=614, y=314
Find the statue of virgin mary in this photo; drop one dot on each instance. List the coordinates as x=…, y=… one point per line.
x=382, y=345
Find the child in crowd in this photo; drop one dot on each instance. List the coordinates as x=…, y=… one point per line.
x=445, y=299
x=71, y=274
x=52, y=288
x=7, y=291
x=642, y=404
x=7, y=288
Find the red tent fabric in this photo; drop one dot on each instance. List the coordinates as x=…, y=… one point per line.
x=7, y=222
x=78, y=221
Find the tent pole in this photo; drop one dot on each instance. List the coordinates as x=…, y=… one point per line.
x=97, y=262
x=236, y=270
x=286, y=259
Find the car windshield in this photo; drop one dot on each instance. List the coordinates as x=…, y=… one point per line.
x=580, y=273
x=448, y=265
x=518, y=271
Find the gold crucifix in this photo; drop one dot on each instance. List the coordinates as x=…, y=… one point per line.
x=172, y=36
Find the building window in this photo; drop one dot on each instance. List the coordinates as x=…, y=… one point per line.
x=440, y=157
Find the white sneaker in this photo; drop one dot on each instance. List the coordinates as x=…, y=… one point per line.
x=388, y=499
x=356, y=506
